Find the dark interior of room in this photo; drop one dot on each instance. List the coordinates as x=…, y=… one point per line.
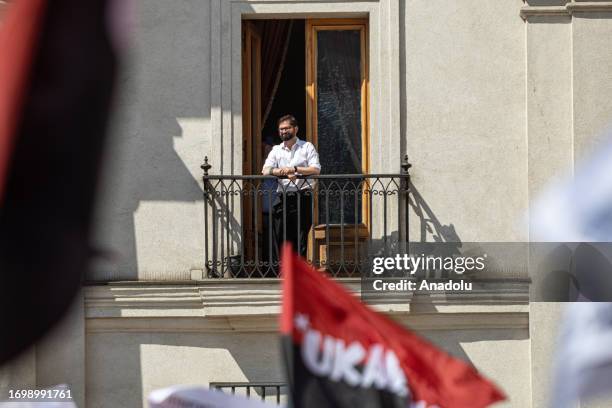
x=290, y=96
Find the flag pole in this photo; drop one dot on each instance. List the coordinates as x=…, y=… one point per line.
x=286, y=323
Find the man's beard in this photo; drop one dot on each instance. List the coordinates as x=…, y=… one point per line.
x=286, y=136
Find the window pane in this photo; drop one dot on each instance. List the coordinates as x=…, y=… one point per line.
x=339, y=119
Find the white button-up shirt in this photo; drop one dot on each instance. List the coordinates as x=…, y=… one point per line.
x=301, y=154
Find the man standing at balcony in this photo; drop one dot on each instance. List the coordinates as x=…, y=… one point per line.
x=293, y=157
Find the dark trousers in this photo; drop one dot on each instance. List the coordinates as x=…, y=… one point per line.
x=293, y=224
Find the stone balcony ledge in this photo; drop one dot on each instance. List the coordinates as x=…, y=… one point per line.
x=248, y=305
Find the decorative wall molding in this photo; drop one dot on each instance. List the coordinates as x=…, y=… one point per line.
x=589, y=6
x=248, y=306
x=568, y=9
x=269, y=324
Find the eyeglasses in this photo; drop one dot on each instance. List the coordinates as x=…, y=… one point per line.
x=285, y=129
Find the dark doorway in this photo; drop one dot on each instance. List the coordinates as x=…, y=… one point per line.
x=274, y=84
x=290, y=95
x=316, y=70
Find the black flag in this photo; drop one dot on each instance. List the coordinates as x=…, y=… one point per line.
x=57, y=67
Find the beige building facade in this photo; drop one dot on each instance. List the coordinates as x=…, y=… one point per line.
x=490, y=100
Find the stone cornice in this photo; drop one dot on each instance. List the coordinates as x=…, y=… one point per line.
x=568, y=9
x=254, y=306
x=269, y=323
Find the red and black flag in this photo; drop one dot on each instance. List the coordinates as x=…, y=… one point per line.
x=340, y=353
x=57, y=69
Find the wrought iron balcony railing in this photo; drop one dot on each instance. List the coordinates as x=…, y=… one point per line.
x=266, y=391
x=336, y=221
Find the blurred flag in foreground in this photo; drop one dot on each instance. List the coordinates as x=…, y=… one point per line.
x=584, y=355
x=580, y=210
x=57, y=67
x=340, y=353
x=199, y=397
x=577, y=209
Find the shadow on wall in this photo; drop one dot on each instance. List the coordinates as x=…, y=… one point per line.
x=198, y=359
x=452, y=341
x=429, y=223
x=113, y=372
x=127, y=366
x=157, y=133
x=429, y=227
